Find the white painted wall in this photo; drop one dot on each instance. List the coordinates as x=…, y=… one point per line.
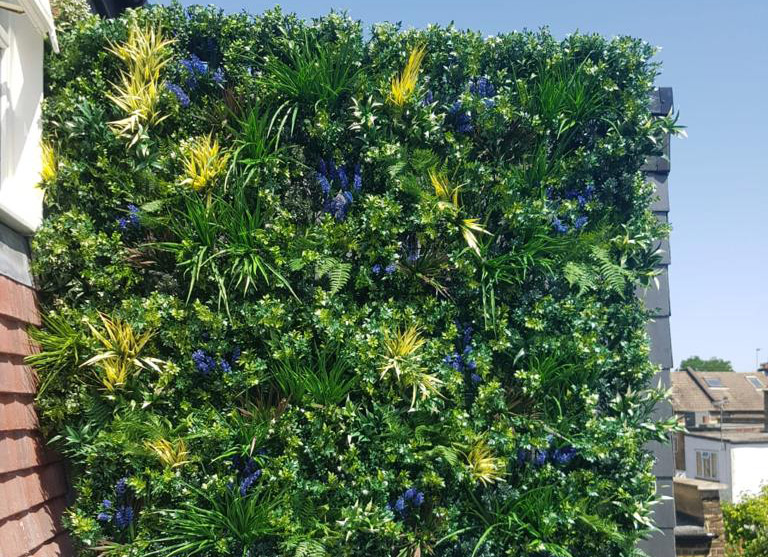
x=692, y=444
x=749, y=465
x=21, y=94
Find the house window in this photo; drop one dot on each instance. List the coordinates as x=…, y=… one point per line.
x=756, y=383
x=706, y=465
x=714, y=383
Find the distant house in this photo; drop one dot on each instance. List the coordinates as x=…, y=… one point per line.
x=734, y=458
x=726, y=439
x=704, y=398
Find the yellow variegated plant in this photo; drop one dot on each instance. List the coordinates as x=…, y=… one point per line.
x=50, y=165
x=121, y=356
x=448, y=199
x=399, y=347
x=144, y=55
x=403, y=86
x=484, y=466
x=173, y=454
x=204, y=161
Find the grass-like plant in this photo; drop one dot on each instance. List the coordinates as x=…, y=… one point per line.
x=403, y=86
x=59, y=346
x=222, y=241
x=309, y=75
x=199, y=528
x=144, y=54
x=322, y=378
x=256, y=143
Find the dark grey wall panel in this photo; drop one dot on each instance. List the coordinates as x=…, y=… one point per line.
x=661, y=101
x=661, y=543
x=657, y=299
x=14, y=256
x=661, y=185
x=661, y=341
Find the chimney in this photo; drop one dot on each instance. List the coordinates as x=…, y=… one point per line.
x=765, y=410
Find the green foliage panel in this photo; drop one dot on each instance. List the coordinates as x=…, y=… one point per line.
x=315, y=290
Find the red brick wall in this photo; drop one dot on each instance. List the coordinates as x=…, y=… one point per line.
x=32, y=485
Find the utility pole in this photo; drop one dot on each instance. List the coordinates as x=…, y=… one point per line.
x=757, y=358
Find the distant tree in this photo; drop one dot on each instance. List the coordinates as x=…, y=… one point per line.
x=712, y=364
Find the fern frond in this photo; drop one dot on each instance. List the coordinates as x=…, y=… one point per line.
x=337, y=272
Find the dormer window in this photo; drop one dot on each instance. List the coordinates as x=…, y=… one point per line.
x=756, y=383
x=714, y=383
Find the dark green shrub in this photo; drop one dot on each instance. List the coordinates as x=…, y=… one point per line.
x=292, y=312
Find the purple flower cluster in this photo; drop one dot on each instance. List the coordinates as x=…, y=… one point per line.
x=205, y=363
x=124, y=514
x=124, y=517
x=461, y=360
x=411, y=497
x=131, y=221
x=194, y=68
x=575, y=222
x=179, y=93
x=121, y=486
x=459, y=118
x=539, y=457
x=482, y=87
x=330, y=177
x=388, y=270
x=248, y=472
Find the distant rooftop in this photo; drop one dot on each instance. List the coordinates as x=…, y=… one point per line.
x=707, y=391
x=732, y=436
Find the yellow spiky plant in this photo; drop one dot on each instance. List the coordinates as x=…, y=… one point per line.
x=400, y=346
x=484, y=467
x=173, y=454
x=121, y=356
x=50, y=165
x=144, y=55
x=403, y=86
x=448, y=199
x=204, y=161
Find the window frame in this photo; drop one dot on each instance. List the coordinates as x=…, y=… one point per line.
x=707, y=464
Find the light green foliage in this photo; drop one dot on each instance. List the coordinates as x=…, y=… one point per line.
x=746, y=526
x=381, y=323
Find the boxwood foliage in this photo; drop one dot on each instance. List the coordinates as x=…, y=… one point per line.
x=315, y=290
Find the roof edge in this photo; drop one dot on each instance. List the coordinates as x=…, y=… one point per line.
x=39, y=13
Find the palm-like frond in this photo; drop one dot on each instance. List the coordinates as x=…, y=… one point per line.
x=448, y=199
x=49, y=167
x=173, y=453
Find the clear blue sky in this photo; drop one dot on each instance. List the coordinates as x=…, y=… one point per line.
x=715, y=56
